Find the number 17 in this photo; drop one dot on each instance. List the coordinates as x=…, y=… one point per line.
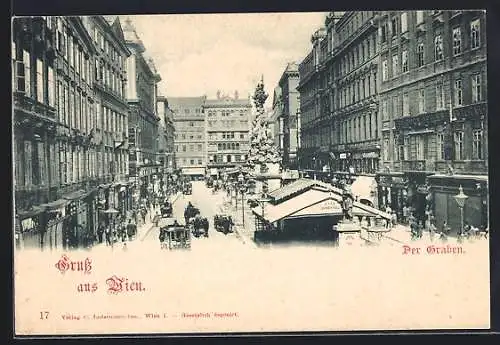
x=44, y=315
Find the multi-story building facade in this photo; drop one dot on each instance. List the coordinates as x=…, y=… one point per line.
x=55, y=149
x=273, y=119
x=166, y=131
x=313, y=152
x=290, y=103
x=141, y=93
x=434, y=113
x=190, y=139
x=111, y=111
x=228, y=121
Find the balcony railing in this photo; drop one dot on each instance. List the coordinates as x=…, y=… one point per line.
x=30, y=105
x=418, y=165
x=469, y=166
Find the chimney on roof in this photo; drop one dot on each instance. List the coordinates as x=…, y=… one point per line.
x=236, y=94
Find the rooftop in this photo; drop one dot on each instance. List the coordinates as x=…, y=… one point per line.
x=186, y=102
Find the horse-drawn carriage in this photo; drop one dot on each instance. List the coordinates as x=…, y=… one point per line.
x=198, y=224
x=166, y=209
x=223, y=223
x=173, y=235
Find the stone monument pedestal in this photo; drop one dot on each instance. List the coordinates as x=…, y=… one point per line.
x=272, y=177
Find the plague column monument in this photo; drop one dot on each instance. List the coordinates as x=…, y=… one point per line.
x=264, y=157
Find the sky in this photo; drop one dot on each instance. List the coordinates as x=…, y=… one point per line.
x=198, y=54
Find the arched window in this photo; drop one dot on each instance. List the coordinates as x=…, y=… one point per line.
x=224, y=146
x=219, y=146
x=228, y=158
x=233, y=146
x=237, y=146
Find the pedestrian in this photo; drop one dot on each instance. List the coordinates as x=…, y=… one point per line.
x=394, y=218
x=405, y=214
x=100, y=232
x=107, y=233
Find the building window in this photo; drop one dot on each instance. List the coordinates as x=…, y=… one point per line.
x=477, y=144
x=183, y=148
x=475, y=38
x=459, y=145
x=395, y=106
x=199, y=147
x=420, y=17
x=476, y=88
x=420, y=148
x=386, y=149
x=406, y=104
x=439, y=96
x=438, y=48
x=395, y=65
x=404, y=22
x=394, y=28
x=421, y=101
x=40, y=85
x=457, y=41
x=200, y=162
x=383, y=32
x=51, y=87
x=440, y=147
x=24, y=75
x=191, y=124
x=420, y=55
x=404, y=61
x=458, y=92
x=191, y=161
x=406, y=147
x=384, y=70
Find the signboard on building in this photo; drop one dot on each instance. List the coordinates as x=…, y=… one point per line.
x=343, y=156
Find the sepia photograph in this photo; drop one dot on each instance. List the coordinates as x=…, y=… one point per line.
x=250, y=172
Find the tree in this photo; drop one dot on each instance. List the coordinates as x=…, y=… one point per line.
x=262, y=148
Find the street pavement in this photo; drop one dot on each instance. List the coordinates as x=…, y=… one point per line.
x=209, y=204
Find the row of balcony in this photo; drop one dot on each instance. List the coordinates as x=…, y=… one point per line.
x=32, y=106
x=476, y=166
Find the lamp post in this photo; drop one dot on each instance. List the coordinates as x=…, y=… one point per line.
x=460, y=198
x=263, y=200
x=241, y=187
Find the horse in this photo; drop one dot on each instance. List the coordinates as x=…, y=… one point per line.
x=197, y=223
x=223, y=223
x=190, y=212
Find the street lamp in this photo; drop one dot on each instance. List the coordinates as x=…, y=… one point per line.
x=242, y=188
x=460, y=198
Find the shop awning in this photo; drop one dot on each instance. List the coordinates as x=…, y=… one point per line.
x=55, y=205
x=36, y=210
x=314, y=202
x=75, y=195
x=364, y=187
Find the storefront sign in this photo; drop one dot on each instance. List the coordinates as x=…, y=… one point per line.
x=343, y=156
x=370, y=155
